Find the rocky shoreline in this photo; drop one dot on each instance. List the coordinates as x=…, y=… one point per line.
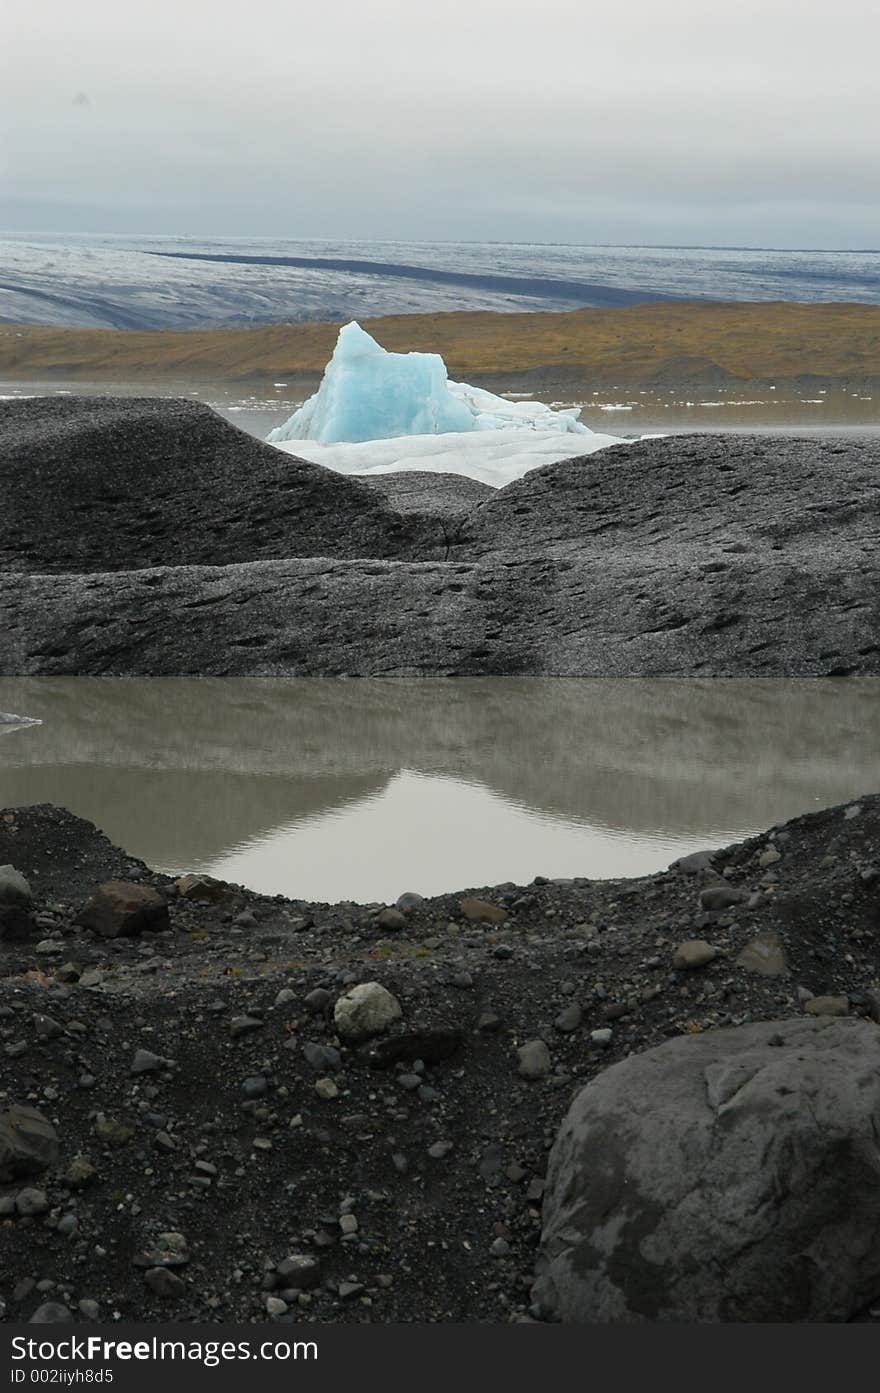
x=148, y=537
x=245, y=1108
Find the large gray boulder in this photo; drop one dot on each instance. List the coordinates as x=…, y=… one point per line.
x=365, y=1010
x=730, y=1176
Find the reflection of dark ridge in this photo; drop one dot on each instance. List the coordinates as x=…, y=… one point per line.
x=588, y=296
x=171, y=804
x=641, y=756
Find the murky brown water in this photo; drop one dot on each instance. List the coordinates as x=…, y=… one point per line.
x=329, y=789
x=258, y=407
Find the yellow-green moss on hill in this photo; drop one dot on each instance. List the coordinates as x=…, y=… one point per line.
x=637, y=345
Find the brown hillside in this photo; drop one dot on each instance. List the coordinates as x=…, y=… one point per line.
x=640, y=344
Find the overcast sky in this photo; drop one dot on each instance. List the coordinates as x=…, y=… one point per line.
x=745, y=123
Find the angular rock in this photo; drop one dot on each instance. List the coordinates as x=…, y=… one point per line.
x=169, y=1250
x=725, y=1176
x=488, y=1021
x=202, y=887
x=317, y=1000
x=79, y=1172
x=694, y=863
x=391, y=918
x=827, y=1006
x=365, y=1010
x=430, y=1046
x=718, y=897
x=410, y=899
x=46, y=1027
x=482, y=911
x=31, y=1202
x=764, y=955
x=256, y=1086
x=569, y=1018
x=534, y=1060
x=145, y=1062
x=14, y=889
x=121, y=908
x=51, y=1313
x=299, y=1271
x=321, y=1056
x=113, y=1132
x=244, y=1025
x=28, y=1143
x=164, y=1283
x=693, y=953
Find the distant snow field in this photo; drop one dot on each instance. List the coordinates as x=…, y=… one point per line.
x=377, y=412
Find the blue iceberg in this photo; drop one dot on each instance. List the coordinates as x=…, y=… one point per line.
x=368, y=393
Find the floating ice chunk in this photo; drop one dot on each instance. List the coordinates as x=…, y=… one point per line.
x=497, y=413
x=9, y=722
x=368, y=393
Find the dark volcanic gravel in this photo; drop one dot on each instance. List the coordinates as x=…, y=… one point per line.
x=150, y=537
x=199, y=1084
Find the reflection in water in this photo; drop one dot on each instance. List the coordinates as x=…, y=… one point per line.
x=331, y=789
x=435, y=834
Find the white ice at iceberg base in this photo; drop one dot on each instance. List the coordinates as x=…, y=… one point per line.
x=380, y=412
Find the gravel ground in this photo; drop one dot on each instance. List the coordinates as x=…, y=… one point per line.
x=226, y=1151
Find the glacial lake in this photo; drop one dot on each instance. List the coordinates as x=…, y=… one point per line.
x=331, y=789
x=258, y=407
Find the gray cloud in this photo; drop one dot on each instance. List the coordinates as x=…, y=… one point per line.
x=397, y=118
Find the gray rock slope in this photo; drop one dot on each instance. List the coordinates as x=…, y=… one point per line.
x=143, y=537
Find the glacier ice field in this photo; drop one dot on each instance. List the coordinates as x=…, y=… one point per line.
x=381, y=412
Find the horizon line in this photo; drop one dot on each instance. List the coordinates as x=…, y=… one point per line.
x=445, y=241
